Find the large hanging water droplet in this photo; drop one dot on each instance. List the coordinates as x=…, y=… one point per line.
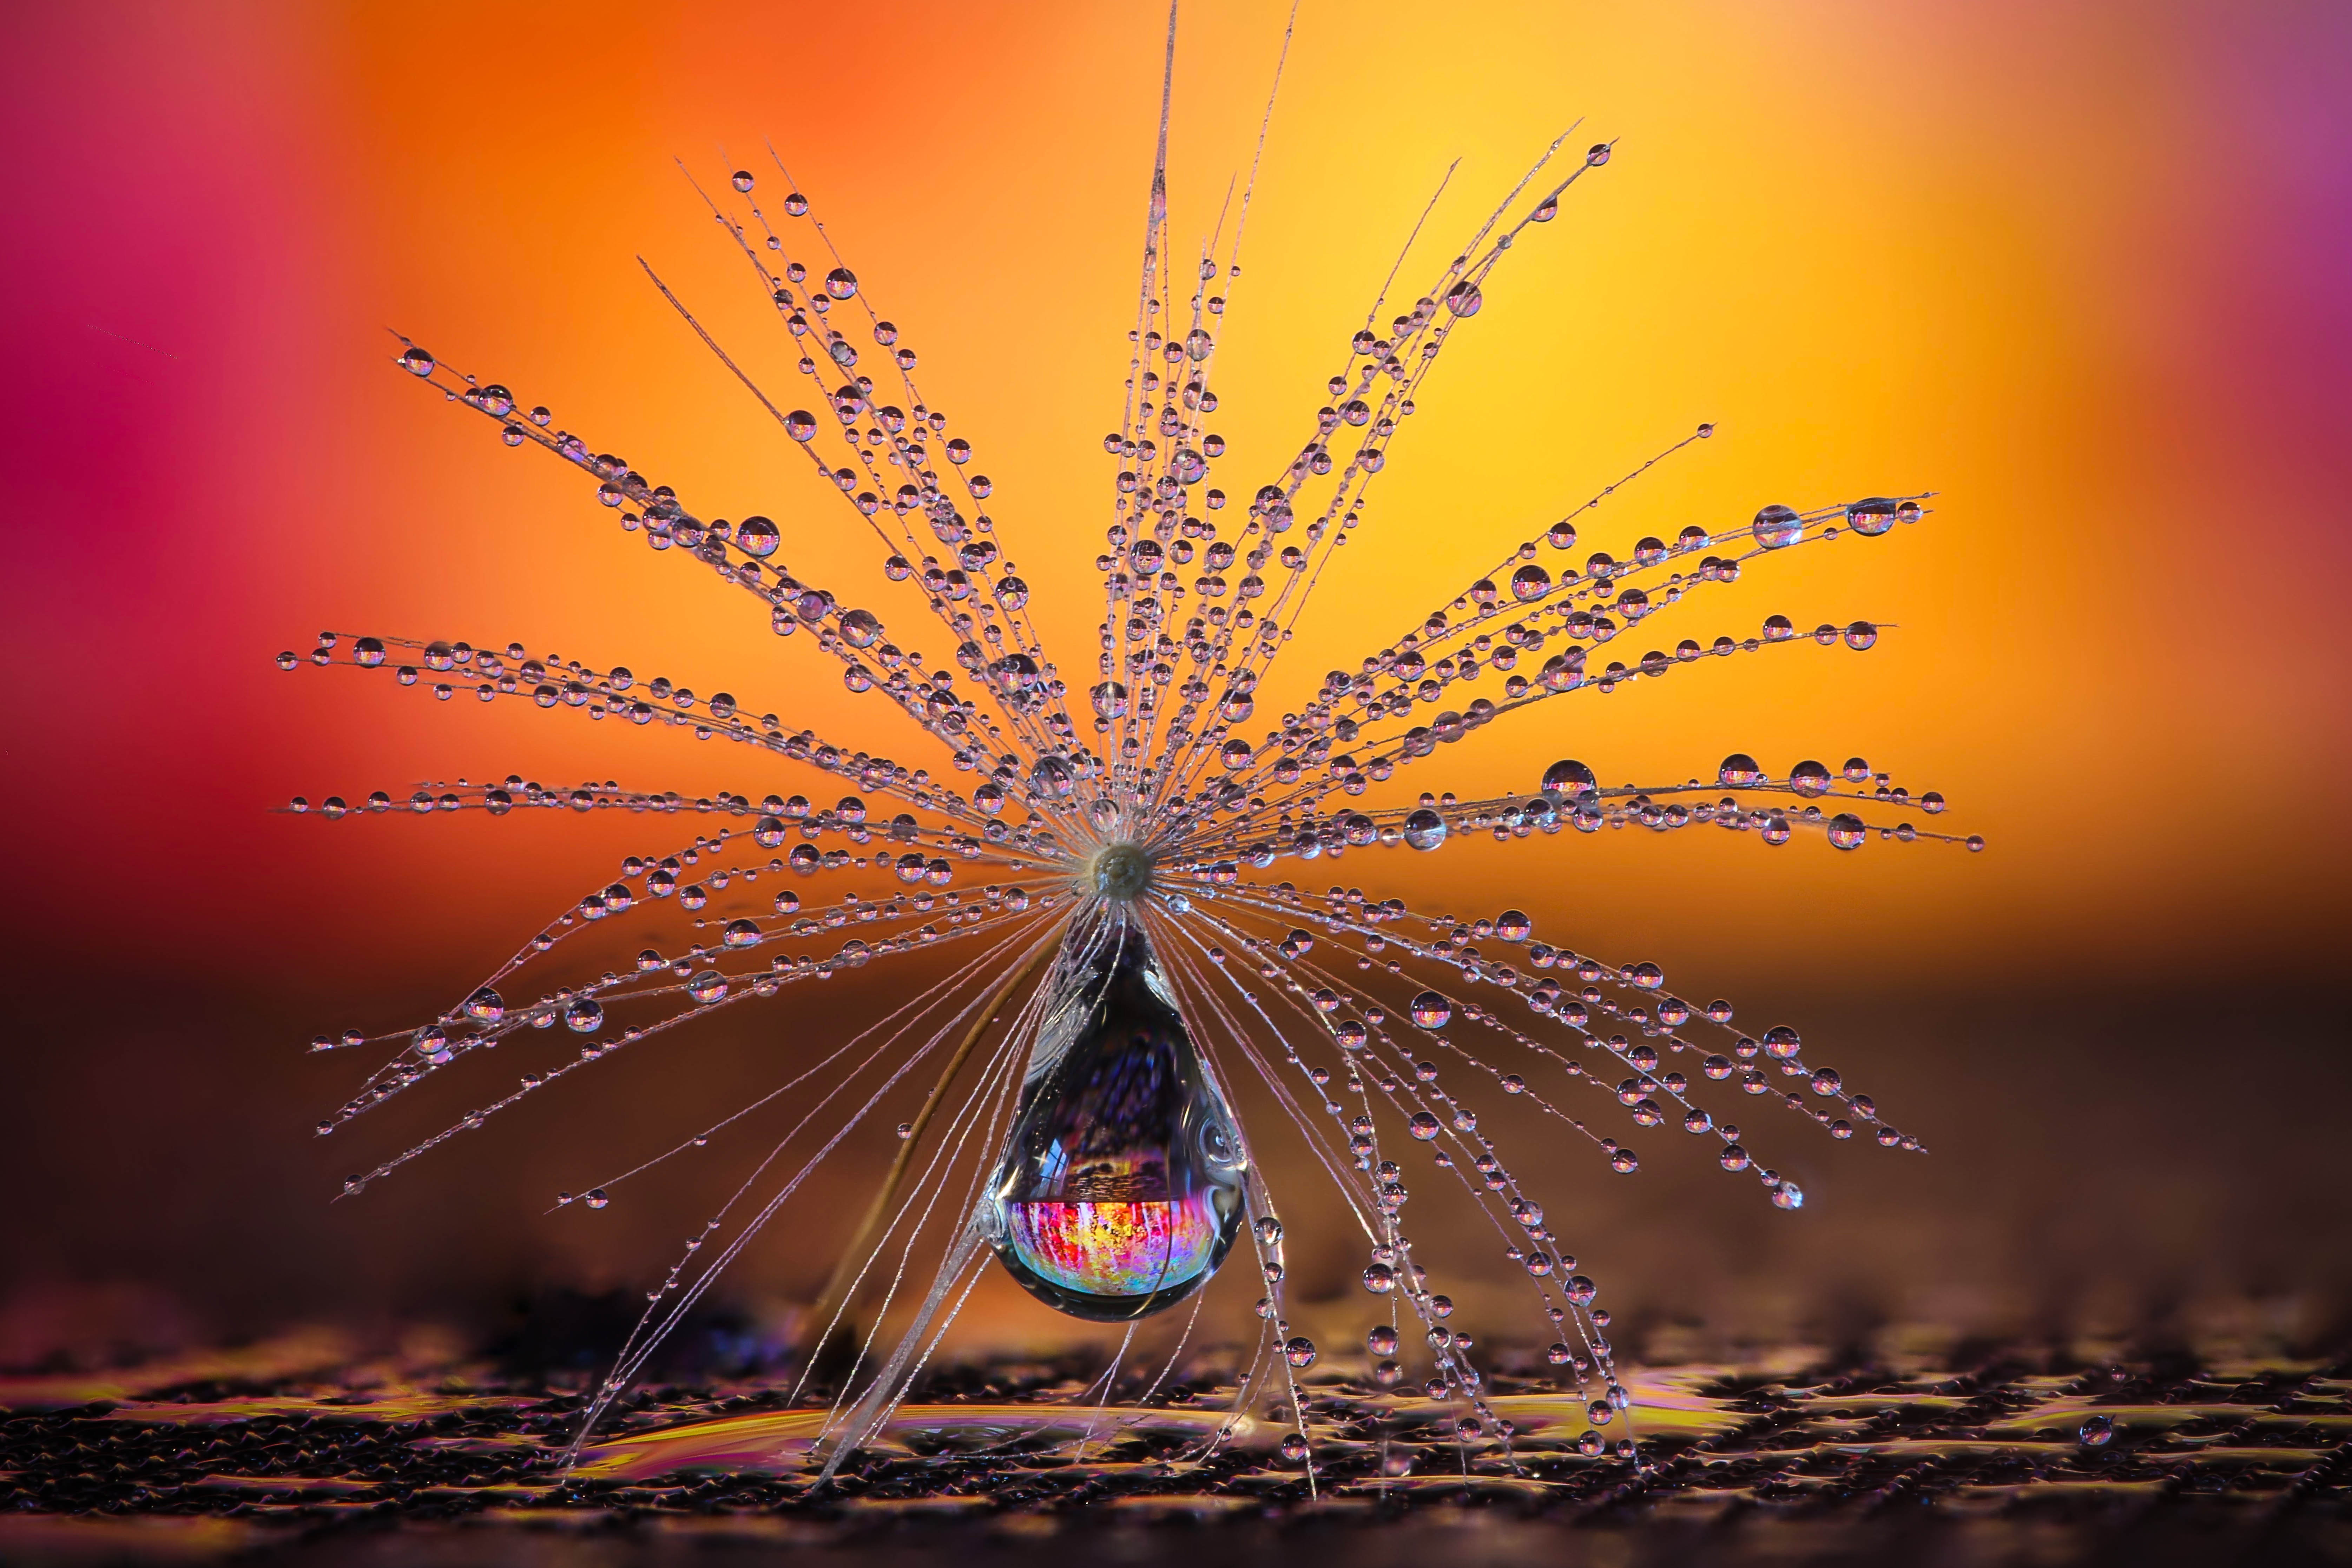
x=1120, y=1189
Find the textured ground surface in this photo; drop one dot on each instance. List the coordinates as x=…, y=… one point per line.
x=288, y=1451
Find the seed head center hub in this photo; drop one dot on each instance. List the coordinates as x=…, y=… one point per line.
x=1121, y=872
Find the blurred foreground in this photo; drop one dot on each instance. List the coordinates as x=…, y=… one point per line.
x=307, y=1448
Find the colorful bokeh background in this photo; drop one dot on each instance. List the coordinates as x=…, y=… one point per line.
x=2078, y=267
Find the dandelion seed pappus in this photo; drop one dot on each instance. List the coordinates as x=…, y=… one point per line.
x=1096, y=882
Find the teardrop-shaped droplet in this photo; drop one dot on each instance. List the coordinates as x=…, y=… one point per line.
x=1120, y=1189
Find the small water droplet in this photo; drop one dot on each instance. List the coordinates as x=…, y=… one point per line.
x=1779, y=527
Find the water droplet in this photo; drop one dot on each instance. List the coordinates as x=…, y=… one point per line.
x=758, y=537
x=1119, y=1191
x=1424, y=828
x=2096, y=1432
x=586, y=1016
x=841, y=283
x=1871, y=518
x=1567, y=779
x=1431, y=1010
x=1778, y=527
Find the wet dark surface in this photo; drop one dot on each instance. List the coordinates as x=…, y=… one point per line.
x=293, y=1451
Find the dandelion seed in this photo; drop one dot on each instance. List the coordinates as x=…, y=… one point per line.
x=1138, y=944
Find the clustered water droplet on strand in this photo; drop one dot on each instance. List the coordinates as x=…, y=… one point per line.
x=1141, y=963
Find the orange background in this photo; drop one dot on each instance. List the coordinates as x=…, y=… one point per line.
x=2077, y=268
